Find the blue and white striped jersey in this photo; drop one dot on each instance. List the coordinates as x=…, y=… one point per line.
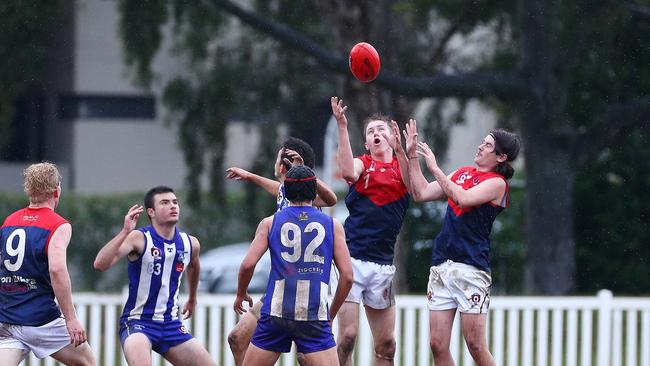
x=155, y=277
x=301, y=242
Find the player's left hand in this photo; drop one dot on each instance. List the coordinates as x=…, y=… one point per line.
x=188, y=309
x=76, y=331
x=238, y=307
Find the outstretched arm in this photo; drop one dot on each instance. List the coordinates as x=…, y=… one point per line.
x=344, y=265
x=421, y=189
x=61, y=285
x=325, y=196
x=351, y=168
x=395, y=143
x=258, y=247
x=490, y=190
x=127, y=241
x=269, y=185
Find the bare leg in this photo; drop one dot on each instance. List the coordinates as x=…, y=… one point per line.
x=440, y=323
x=474, y=332
x=12, y=356
x=190, y=353
x=327, y=357
x=256, y=356
x=348, y=317
x=81, y=355
x=240, y=336
x=137, y=350
x=382, y=326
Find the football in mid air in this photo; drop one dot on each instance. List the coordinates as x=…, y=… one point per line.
x=364, y=62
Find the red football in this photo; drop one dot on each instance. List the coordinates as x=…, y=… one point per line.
x=364, y=62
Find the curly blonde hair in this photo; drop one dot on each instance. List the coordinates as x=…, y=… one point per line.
x=41, y=181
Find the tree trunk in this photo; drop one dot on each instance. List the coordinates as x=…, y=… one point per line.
x=550, y=256
x=550, y=263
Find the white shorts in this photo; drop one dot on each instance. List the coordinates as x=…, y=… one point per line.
x=373, y=284
x=43, y=341
x=457, y=285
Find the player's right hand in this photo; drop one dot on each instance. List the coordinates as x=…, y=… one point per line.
x=238, y=305
x=131, y=218
x=237, y=174
x=76, y=331
x=338, y=110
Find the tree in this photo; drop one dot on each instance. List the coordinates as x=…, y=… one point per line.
x=567, y=75
x=27, y=30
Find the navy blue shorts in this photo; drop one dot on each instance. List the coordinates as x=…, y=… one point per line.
x=276, y=334
x=162, y=336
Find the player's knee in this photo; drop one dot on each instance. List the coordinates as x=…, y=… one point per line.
x=234, y=340
x=476, y=347
x=438, y=345
x=385, y=349
x=346, y=342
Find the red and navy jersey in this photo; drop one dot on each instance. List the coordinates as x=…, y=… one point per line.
x=465, y=234
x=377, y=203
x=26, y=294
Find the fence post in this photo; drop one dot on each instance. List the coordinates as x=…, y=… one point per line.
x=604, y=327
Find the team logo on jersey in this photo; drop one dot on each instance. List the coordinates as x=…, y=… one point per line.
x=155, y=253
x=475, y=298
x=463, y=177
x=183, y=330
x=180, y=267
x=476, y=180
x=303, y=216
x=170, y=250
x=181, y=256
x=29, y=217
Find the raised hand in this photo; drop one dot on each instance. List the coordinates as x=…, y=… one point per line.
x=237, y=174
x=296, y=159
x=338, y=110
x=394, y=140
x=411, y=138
x=131, y=217
x=429, y=156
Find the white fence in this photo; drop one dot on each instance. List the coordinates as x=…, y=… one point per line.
x=522, y=331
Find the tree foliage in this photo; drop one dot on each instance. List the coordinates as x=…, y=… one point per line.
x=27, y=30
x=569, y=76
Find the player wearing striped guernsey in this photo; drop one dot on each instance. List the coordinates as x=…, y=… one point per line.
x=33, y=271
x=294, y=151
x=303, y=242
x=158, y=256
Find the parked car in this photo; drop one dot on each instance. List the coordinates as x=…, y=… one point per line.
x=220, y=268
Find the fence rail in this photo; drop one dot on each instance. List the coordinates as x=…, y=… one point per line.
x=529, y=331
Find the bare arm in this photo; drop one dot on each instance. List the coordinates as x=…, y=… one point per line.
x=247, y=267
x=396, y=143
x=269, y=185
x=127, y=241
x=490, y=190
x=351, y=168
x=421, y=189
x=344, y=265
x=61, y=285
x=193, y=272
x=325, y=196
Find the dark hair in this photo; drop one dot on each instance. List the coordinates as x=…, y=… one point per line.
x=375, y=117
x=300, y=184
x=148, y=197
x=302, y=148
x=507, y=143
